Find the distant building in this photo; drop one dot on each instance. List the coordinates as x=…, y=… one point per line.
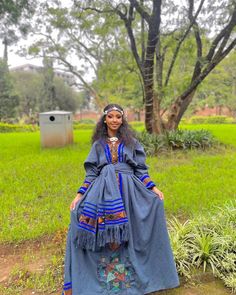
x=67, y=77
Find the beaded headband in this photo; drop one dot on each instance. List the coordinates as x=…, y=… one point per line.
x=113, y=109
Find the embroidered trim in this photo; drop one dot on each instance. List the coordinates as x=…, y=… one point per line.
x=147, y=181
x=67, y=286
x=84, y=187
x=116, y=275
x=120, y=184
x=120, y=152
x=107, y=222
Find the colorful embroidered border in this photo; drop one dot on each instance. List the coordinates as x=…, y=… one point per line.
x=147, y=181
x=67, y=286
x=120, y=152
x=120, y=184
x=107, y=214
x=108, y=152
x=111, y=213
x=84, y=187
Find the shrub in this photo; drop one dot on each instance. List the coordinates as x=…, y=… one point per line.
x=5, y=127
x=207, y=242
x=83, y=126
x=210, y=120
x=177, y=139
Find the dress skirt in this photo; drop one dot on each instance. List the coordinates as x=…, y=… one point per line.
x=143, y=264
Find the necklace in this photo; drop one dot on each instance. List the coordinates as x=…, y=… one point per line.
x=113, y=139
x=113, y=147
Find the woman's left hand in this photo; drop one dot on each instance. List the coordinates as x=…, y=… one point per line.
x=158, y=192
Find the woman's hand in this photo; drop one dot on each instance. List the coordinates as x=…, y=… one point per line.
x=158, y=192
x=75, y=201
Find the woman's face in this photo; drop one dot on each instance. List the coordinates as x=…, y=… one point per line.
x=113, y=120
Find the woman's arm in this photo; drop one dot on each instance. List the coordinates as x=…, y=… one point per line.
x=91, y=168
x=141, y=170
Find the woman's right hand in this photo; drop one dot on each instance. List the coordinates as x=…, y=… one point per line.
x=75, y=201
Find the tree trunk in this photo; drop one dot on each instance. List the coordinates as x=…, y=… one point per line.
x=177, y=110
x=158, y=125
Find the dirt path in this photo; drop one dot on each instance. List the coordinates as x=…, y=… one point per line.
x=35, y=256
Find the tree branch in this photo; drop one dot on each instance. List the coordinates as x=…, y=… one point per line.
x=223, y=34
x=140, y=10
x=198, y=64
x=180, y=43
x=128, y=25
x=207, y=70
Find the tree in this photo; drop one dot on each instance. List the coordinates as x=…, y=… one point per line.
x=30, y=88
x=218, y=89
x=48, y=97
x=14, y=20
x=173, y=46
x=160, y=23
x=8, y=100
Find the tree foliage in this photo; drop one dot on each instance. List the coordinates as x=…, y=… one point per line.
x=8, y=99
x=173, y=48
x=30, y=89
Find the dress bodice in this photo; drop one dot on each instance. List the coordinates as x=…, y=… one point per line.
x=106, y=152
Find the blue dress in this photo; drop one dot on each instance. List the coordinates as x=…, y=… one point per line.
x=122, y=246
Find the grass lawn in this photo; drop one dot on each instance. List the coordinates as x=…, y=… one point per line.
x=37, y=185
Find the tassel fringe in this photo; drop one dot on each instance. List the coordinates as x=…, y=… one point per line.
x=115, y=234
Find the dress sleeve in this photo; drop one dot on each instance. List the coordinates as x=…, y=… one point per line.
x=91, y=168
x=141, y=169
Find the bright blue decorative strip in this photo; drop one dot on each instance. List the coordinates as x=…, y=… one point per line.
x=89, y=212
x=144, y=177
x=90, y=203
x=119, y=158
x=121, y=184
x=110, y=206
x=150, y=184
x=109, y=212
x=67, y=288
x=108, y=154
x=116, y=222
x=108, y=201
x=83, y=187
x=92, y=231
x=122, y=154
x=107, y=209
x=86, y=181
x=67, y=284
x=87, y=207
x=90, y=226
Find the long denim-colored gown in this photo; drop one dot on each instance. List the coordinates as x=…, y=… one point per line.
x=142, y=264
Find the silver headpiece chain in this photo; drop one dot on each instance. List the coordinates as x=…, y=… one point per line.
x=113, y=109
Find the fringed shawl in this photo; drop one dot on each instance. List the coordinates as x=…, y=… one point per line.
x=101, y=214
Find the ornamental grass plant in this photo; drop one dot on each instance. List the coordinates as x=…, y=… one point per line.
x=207, y=243
x=180, y=139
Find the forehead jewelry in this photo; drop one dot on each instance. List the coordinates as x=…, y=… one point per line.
x=113, y=109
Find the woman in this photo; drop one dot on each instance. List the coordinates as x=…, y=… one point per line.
x=117, y=241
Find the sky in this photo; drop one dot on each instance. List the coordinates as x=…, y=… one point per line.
x=15, y=60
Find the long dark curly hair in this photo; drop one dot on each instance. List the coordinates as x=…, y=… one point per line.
x=125, y=133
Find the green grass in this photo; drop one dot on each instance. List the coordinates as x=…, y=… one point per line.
x=224, y=132
x=37, y=185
